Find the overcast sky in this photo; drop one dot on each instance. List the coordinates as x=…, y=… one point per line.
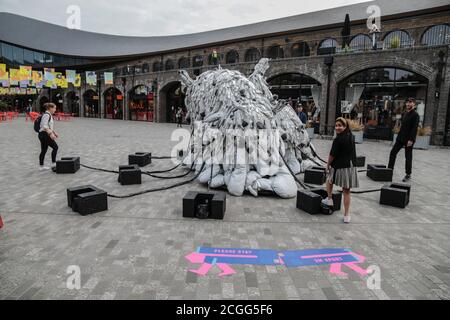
x=165, y=17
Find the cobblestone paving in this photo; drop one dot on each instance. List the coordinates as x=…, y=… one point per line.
x=136, y=249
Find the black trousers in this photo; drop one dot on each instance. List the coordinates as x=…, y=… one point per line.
x=46, y=142
x=408, y=155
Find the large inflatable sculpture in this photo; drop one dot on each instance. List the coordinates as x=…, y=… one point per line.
x=243, y=138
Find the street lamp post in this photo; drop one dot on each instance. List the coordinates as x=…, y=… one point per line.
x=374, y=31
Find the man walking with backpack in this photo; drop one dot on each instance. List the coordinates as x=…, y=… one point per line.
x=47, y=135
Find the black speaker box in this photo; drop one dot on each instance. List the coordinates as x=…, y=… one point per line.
x=315, y=175
x=87, y=200
x=379, y=173
x=130, y=175
x=142, y=159
x=68, y=165
x=395, y=195
x=204, y=205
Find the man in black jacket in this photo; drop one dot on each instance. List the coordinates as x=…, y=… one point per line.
x=406, y=137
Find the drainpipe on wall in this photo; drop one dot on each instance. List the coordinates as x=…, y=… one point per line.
x=328, y=61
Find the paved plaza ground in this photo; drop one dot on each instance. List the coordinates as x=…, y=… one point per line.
x=137, y=249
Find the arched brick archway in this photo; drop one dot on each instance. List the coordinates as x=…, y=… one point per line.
x=419, y=68
x=164, y=99
x=317, y=73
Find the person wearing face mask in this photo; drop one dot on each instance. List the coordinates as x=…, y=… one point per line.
x=341, y=166
x=406, y=138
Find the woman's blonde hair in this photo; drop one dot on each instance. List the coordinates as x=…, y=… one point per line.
x=343, y=121
x=49, y=105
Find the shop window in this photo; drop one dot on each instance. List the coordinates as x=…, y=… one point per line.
x=376, y=98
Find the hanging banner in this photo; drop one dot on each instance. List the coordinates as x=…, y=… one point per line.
x=4, y=76
x=25, y=76
x=77, y=82
x=109, y=78
x=49, y=77
x=14, y=77
x=70, y=76
x=91, y=78
x=37, y=79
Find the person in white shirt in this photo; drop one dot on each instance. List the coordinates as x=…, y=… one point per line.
x=47, y=136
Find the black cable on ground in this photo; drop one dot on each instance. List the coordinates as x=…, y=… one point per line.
x=98, y=169
x=158, y=189
x=316, y=155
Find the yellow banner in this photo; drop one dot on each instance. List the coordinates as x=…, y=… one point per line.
x=77, y=82
x=14, y=77
x=25, y=73
x=37, y=78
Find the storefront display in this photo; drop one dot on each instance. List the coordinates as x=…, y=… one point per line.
x=377, y=98
x=299, y=89
x=141, y=104
x=113, y=104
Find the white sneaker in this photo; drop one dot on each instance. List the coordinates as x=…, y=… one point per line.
x=328, y=202
x=42, y=168
x=347, y=219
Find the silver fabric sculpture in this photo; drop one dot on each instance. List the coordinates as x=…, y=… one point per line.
x=225, y=109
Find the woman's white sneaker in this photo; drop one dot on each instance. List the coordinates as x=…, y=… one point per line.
x=347, y=219
x=42, y=168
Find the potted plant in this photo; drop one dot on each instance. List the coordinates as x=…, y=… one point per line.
x=357, y=130
x=395, y=43
x=423, y=138
x=310, y=129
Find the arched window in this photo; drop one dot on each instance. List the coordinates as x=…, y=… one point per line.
x=397, y=39
x=232, y=57
x=197, y=61
x=361, y=42
x=252, y=54
x=437, y=35
x=275, y=52
x=145, y=68
x=169, y=65
x=157, y=66
x=300, y=49
x=327, y=46
x=183, y=63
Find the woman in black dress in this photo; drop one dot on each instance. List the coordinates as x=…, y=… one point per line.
x=341, y=165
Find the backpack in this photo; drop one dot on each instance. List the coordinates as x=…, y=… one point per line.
x=37, y=123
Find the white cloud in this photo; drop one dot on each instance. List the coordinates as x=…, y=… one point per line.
x=165, y=17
